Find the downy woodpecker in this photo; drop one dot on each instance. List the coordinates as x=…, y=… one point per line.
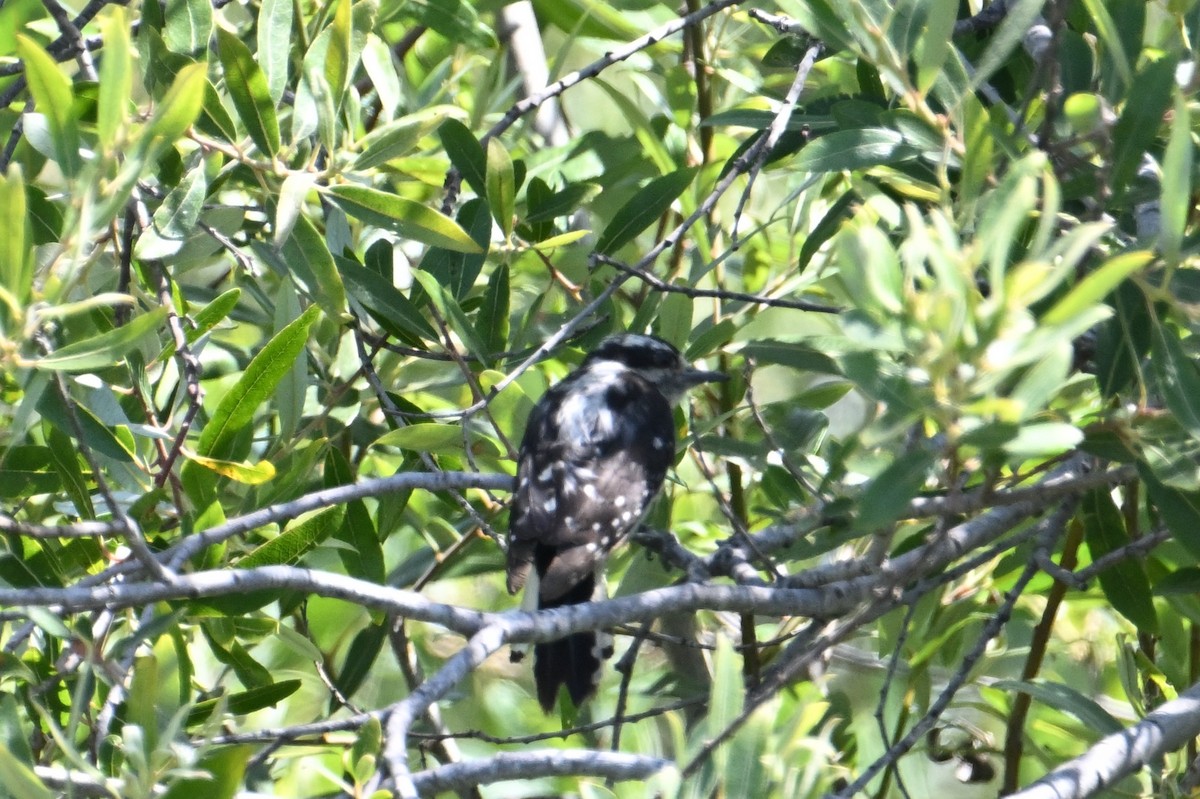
x=596, y=449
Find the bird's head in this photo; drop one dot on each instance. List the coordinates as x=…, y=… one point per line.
x=655, y=360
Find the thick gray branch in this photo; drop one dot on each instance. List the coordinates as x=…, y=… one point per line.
x=544, y=763
x=1167, y=729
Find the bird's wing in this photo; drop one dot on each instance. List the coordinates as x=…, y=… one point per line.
x=585, y=478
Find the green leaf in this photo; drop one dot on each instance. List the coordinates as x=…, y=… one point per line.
x=410, y=219
x=501, y=188
x=363, y=556
x=643, y=209
x=385, y=302
x=1097, y=285
x=247, y=86
x=1180, y=510
x=870, y=268
x=424, y=437
x=177, y=110
x=337, y=55
x=189, y=25
x=104, y=349
x=892, y=489
x=853, y=149
x=935, y=42
x=274, y=33
x=492, y=322
x=1125, y=583
x=465, y=153
x=1141, y=119
x=243, y=472
x=255, y=386
x=452, y=312
x=176, y=218
x=54, y=99
x=457, y=271
x=239, y=704
x=66, y=463
x=307, y=256
x=1066, y=699
x=25, y=470
x=400, y=136
x=295, y=542
x=116, y=79
x=1177, y=377
x=360, y=659
x=16, y=252
x=564, y=202
x=206, y=319
x=18, y=778
x=1176, y=181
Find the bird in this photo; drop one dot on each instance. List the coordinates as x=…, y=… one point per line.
x=594, y=455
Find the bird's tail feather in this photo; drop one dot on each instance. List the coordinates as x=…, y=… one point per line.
x=573, y=661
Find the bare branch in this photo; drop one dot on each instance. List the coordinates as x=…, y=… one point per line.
x=1116, y=756
x=616, y=766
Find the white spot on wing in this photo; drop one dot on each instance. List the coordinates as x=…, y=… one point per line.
x=550, y=505
x=619, y=501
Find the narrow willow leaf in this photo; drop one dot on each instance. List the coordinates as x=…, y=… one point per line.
x=465, y=153
x=561, y=240
x=1097, y=285
x=385, y=302
x=307, y=256
x=400, y=137
x=116, y=79
x=247, y=85
x=1125, y=583
x=457, y=271
x=1068, y=700
x=206, y=319
x=104, y=349
x=96, y=434
x=360, y=658
x=244, y=472
x=244, y=702
x=189, y=25
x=1176, y=181
x=363, y=557
x=450, y=310
x=643, y=209
x=54, y=99
x=406, y=217
x=1177, y=377
x=19, y=779
x=501, y=190
x=1179, y=509
x=492, y=322
x=293, y=543
x=65, y=458
x=255, y=386
x=1141, y=119
x=892, y=489
x=274, y=44
x=16, y=251
x=176, y=218
x=177, y=110
x=854, y=149
x=292, y=195
x=337, y=55
x=564, y=202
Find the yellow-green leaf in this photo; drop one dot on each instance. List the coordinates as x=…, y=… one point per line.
x=410, y=219
x=54, y=99
x=104, y=349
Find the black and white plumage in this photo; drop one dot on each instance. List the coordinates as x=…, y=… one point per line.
x=595, y=452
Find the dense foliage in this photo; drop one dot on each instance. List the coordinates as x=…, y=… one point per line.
x=280, y=282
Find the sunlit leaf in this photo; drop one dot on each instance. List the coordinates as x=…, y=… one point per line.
x=406, y=217
x=247, y=86
x=643, y=209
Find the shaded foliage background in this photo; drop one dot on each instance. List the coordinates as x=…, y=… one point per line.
x=279, y=283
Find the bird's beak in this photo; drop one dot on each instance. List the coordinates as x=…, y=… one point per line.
x=694, y=377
